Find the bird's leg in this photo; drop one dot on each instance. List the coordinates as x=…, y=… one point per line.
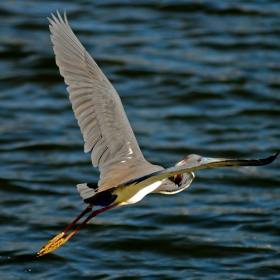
x=88, y=209
x=55, y=242
x=93, y=214
x=58, y=240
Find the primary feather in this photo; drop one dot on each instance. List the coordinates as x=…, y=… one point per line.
x=99, y=111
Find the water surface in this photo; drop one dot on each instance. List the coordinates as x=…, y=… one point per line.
x=194, y=77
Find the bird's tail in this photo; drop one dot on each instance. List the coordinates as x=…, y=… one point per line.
x=87, y=190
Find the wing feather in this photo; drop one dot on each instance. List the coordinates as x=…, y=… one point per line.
x=98, y=109
x=207, y=163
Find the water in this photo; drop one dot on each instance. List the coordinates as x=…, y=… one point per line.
x=194, y=77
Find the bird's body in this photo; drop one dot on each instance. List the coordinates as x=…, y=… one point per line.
x=134, y=193
x=126, y=176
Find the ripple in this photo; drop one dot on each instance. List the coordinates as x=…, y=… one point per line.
x=194, y=77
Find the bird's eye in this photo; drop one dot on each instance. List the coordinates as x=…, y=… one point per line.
x=199, y=160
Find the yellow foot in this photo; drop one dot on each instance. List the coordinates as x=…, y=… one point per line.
x=52, y=245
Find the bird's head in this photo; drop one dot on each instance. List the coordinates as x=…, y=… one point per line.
x=180, y=181
x=185, y=179
x=191, y=159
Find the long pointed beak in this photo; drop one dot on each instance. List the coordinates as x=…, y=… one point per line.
x=220, y=162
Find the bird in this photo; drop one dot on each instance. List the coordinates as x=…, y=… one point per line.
x=126, y=177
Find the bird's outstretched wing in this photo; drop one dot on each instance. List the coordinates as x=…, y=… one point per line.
x=98, y=109
x=200, y=163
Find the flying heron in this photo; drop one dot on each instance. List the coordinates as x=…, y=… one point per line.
x=125, y=176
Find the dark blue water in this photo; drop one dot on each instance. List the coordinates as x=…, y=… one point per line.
x=194, y=77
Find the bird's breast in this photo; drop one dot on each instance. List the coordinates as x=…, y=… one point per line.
x=135, y=192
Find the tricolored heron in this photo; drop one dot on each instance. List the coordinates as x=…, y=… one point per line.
x=125, y=176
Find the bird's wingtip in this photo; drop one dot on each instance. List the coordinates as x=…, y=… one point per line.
x=271, y=158
x=274, y=156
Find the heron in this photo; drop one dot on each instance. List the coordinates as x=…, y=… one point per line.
x=126, y=176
